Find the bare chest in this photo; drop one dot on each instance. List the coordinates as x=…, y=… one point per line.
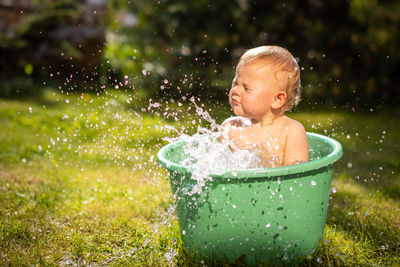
x=269, y=146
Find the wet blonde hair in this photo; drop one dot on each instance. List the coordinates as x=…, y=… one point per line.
x=282, y=61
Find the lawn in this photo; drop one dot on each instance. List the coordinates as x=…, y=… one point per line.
x=80, y=185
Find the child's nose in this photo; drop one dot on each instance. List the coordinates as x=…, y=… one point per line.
x=235, y=90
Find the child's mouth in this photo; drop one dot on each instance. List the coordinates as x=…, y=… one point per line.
x=236, y=102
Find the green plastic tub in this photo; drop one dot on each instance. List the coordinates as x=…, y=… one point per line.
x=271, y=215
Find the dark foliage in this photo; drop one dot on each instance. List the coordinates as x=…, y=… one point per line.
x=348, y=50
x=48, y=42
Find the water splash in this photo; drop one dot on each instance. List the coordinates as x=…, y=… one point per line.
x=205, y=115
x=207, y=156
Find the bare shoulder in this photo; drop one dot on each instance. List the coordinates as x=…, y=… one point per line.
x=296, y=149
x=295, y=128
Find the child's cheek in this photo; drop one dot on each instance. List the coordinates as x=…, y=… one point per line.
x=246, y=101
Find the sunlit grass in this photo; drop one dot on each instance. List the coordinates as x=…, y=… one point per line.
x=79, y=182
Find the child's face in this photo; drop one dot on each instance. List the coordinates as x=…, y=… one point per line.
x=253, y=90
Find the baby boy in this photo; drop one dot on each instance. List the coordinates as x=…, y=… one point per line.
x=266, y=84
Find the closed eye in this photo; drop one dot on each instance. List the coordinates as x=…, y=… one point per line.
x=246, y=87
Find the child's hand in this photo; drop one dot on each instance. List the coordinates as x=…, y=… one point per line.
x=236, y=122
x=232, y=123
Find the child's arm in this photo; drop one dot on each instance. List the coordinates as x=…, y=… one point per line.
x=296, y=149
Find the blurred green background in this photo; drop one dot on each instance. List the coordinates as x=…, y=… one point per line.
x=89, y=90
x=349, y=51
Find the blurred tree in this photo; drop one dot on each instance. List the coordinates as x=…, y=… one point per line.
x=348, y=50
x=47, y=40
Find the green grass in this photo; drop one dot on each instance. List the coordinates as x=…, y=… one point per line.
x=79, y=182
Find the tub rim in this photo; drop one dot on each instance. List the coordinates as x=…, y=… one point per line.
x=313, y=165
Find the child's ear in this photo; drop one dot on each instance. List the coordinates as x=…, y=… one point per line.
x=279, y=100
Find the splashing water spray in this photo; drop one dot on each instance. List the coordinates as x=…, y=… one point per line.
x=207, y=155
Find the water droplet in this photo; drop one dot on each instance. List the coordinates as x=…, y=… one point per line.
x=268, y=225
x=313, y=183
x=349, y=165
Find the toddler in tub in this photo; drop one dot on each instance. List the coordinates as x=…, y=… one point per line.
x=266, y=84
